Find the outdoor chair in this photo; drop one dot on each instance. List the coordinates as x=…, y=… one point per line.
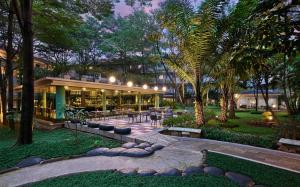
x=154, y=119
x=131, y=117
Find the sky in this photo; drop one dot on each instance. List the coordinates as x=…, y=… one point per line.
x=124, y=10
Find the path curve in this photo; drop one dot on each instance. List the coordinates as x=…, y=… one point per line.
x=179, y=153
x=168, y=157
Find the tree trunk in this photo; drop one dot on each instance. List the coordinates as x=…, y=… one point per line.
x=25, y=136
x=224, y=105
x=199, y=113
x=232, y=107
x=3, y=98
x=9, y=65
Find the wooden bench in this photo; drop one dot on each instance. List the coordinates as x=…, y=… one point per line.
x=189, y=132
x=289, y=145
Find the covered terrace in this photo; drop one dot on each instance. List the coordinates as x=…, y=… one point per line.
x=54, y=95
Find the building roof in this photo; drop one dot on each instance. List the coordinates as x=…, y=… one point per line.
x=77, y=84
x=271, y=92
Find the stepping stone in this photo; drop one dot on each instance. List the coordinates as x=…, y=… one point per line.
x=97, y=151
x=241, y=180
x=29, y=162
x=122, y=131
x=146, y=172
x=157, y=147
x=129, y=145
x=106, y=127
x=114, y=151
x=128, y=171
x=213, y=171
x=170, y=172
x=149, y=149
x=143, y=145
x=135, y=152
x=92, y=125
x=192, y=170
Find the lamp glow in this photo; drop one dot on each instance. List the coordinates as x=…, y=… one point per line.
x=155, y=88
x=83, y=89
x=112, y=79
x=164, y=88
x=66, y=87
x=129, y=84
x=102, y=90
x=145, y=86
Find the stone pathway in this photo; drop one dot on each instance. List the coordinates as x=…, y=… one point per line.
x=168, y=157
x=279, y=159
x=180, y=153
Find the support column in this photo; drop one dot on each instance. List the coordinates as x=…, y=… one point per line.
x=44, y=103
x=103, y=101
x=139, y=99
x=60, y=102
x=156, y=101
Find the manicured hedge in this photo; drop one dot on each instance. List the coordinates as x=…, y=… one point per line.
x=216, y=133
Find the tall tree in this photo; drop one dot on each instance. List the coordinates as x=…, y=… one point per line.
x=196, y=33
x=23, y=11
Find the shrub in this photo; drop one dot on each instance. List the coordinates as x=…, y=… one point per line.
x=256, y=112
x=168, y=103
x=249, y=139
x=185, y=120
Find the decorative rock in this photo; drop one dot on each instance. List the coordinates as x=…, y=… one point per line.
x=157, y=147
x=149, y=149
x=213, y=171
x=106, y=127
x=114, y=151
x=128, y=171
x=135, y=152
x=129, y=145
x=146, y=172
x=241, y=180
x=122, y=131
x=143, y=145
x=29, y=162
x=97, y=151
x=170, y=172
x=92, y=125
x=192, y=170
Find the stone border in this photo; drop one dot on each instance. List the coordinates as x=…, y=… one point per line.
x=134, y=150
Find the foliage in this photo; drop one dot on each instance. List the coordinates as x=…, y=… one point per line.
x=261, y=174
x=185, y=120
x=220, y=134
x=116, y=179
x=47, y=144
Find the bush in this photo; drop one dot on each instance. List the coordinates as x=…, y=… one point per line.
x=256, y=112
x=168, y=103
x=249, y=139
x=185, y=120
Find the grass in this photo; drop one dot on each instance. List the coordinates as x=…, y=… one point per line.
x=261, y=174
x=243, y=127
x=48, y=144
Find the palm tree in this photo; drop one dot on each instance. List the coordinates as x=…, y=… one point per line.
x=196, y=34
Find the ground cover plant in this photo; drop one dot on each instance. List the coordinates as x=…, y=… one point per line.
x=48, y=144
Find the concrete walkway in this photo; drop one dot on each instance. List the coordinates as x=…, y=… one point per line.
x=168, y=157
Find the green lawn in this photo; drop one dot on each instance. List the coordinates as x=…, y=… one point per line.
x=260, y=173
x=243, y=127
x=48, y=144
